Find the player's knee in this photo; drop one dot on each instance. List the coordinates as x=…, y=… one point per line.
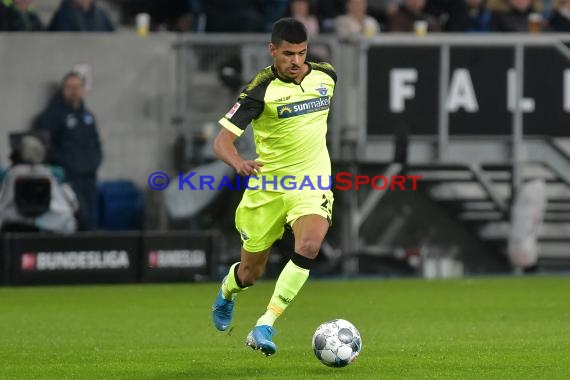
x=308, y=247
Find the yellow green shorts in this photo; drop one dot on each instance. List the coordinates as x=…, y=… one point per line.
x=261, y=215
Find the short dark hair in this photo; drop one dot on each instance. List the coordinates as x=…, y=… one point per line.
x=290, y=30
x=72, y=74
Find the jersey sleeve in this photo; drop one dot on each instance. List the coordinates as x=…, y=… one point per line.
x=248, y=106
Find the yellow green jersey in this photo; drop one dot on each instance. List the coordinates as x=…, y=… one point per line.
x=289, y=121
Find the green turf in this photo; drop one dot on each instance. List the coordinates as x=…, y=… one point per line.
x=494, y=328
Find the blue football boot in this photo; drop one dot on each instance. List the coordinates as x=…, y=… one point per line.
x=223, y=311
x=260, y=339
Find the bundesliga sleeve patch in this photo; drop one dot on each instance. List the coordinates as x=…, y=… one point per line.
x=233, y=110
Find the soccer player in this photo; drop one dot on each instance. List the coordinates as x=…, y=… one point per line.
x=287, y=104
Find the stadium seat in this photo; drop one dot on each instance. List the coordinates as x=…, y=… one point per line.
x=121, y=206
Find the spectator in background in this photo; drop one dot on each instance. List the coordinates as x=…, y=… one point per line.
x=503, y=5
x=19, y=16
x=356, y=21
x=478, y=16
x=560, y=17
x=327, y=11
x=80, y=16
x=174, y=15
x=272, y=11
x=515, y=19
x=449, y=13
x=224, y=16
x=75, y=144
x=408, y=13
x=381, y=10
x=301, y=10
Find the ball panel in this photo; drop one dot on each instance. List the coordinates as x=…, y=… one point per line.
x=345, y=335
x=356, y=344
x=328, y=357
x=319, y=342
x=332, y=343
x=344, y=352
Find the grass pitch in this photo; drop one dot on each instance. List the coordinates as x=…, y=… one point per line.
x=494, y=328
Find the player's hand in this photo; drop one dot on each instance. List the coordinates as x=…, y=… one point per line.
x=249, y=168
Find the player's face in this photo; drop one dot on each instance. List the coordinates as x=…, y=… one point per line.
x=289, y=59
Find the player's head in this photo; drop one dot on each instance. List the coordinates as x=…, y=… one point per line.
x=288, y=47
x=290, y=30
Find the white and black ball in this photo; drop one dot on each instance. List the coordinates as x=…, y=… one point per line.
x=337, y=343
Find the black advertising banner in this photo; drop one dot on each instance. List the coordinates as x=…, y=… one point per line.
x=81, y=258
x=403, y=89
x=178, y=256
x=487, y=102
x=392, y=100
x=547, y=81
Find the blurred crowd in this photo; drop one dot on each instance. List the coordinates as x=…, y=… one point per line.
x=340, y=17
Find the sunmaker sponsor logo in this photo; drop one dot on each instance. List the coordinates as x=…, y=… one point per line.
x=303, y=107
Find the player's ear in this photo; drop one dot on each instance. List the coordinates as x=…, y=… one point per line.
x=272, y=49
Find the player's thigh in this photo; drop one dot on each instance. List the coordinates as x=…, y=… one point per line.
x=260, y=219
x=310, y=202
x=309, y=214
x=309, y=232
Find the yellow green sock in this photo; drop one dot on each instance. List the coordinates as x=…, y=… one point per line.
x=230, y=286
x=290, y=281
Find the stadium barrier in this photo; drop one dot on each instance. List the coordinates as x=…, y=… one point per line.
x=126, y=257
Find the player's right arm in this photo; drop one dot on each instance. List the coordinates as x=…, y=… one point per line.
x=225, y=149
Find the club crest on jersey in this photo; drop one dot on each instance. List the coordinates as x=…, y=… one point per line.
x=322, y=89
x=303, y=107
x=233, y=110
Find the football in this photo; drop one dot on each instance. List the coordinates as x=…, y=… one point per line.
x=337, y=343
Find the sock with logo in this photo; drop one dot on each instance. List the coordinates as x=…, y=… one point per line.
x=290, y=281
x=232, y=284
